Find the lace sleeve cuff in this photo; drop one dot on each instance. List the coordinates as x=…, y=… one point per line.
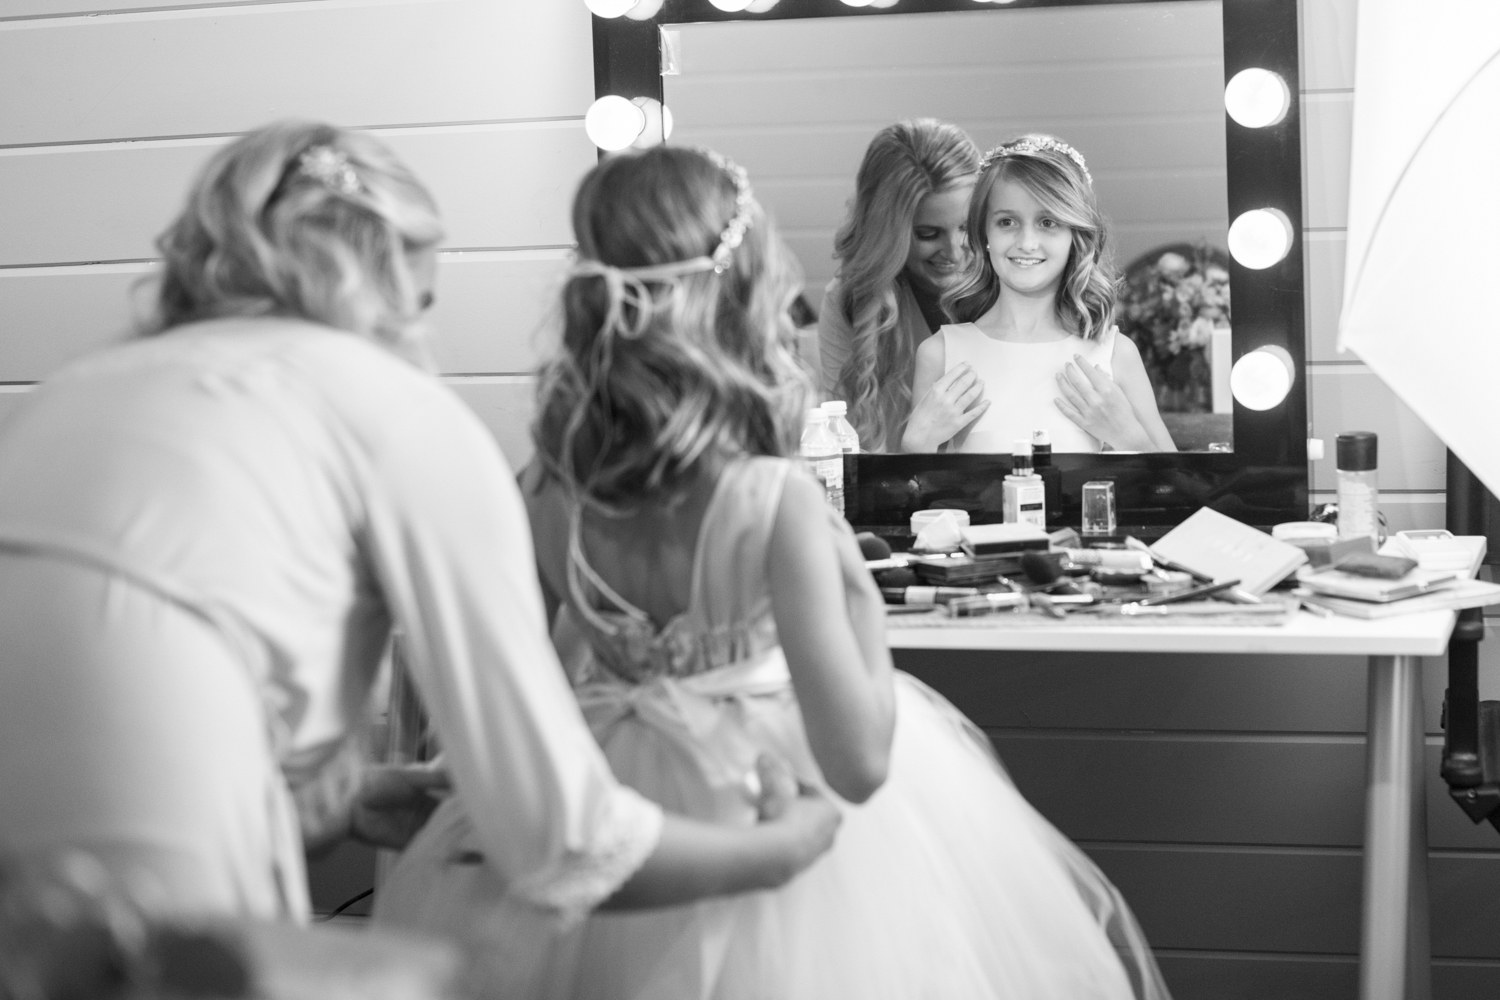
x=581, y=881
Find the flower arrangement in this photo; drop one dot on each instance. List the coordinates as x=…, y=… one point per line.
x=1172, y=299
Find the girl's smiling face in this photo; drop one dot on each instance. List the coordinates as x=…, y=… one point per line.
x=1029, y=246
x=938, y=251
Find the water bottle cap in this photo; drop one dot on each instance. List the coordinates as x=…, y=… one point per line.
x=816, y=415
x=835, y=407
x=1356, y=451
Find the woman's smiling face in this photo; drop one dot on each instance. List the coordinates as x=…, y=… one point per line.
x=1029, y=247
x=938, y=251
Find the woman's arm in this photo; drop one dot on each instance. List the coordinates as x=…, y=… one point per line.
x=946, y=403
x=447, y=535
x=832, y=625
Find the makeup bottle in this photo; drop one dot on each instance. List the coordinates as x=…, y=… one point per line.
x=1025, y=497
x=1041, y=463
x=824, y=457
x=1359, y=496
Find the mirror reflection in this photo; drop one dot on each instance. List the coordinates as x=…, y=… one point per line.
x=1011, y=221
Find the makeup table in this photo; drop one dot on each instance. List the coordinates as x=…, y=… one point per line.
x=1394, y=938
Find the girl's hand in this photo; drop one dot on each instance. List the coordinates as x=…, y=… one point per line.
x=954, y=402
x=395, y=801
x=1092, y=400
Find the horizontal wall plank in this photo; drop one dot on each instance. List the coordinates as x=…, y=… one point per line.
x=505, y=405
x=61, y=8
x=1234, y=899
x=1226, y=976
x=1215, y=789
x=1098, y=34
x=490, y=317
x=1327, y=130
x=398, y=62
x=1350, y=398
x=1327, y=44
x=62, y=203
x=1324, y=254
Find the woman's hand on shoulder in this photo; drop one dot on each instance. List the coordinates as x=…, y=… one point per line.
x=1096, y=403
x=944, y=402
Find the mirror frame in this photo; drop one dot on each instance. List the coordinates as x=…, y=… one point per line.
x=1265, y=479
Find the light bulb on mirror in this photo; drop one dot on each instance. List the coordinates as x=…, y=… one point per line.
x=1257, y=98
x=612, y=122
x=1262, y=378
x=658, y=125
x=609, y=8
x=760, y=6
x=731, y=6
x=644, y=10
x=858, y=3
x=1260, y=237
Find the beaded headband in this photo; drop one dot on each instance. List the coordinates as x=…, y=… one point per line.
x=1033, y=145
x=627, y=285
x=331, y=168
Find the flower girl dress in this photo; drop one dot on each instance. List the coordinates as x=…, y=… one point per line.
x=945, y=884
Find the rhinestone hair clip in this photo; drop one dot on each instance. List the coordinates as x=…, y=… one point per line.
x=744, y=200
x=331, y=168
x=1033, y=146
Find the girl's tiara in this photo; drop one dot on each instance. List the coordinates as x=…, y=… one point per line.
x=331, y=168
x=627, y=285
x=1033, y=145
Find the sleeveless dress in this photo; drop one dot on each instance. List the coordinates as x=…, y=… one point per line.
x=1020, y=381
x=945, y=884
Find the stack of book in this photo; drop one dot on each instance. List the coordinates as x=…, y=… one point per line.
x=1441, y=581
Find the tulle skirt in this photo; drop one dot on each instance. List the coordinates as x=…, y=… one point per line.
x=945, y=884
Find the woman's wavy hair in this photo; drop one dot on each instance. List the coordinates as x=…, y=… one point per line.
x=703, y=366
x=904, y=163
x=264, y=235
x=1087, y=295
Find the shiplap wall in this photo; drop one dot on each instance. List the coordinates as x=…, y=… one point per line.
x=1135, y=87
x=108, y=108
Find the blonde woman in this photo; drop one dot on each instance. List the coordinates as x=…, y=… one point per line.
x=206, y=534
x=1040, y=297
x=900, y=248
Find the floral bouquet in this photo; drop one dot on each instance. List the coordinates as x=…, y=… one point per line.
x=1172, y=299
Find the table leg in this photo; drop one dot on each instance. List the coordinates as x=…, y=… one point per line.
x=1395, y=955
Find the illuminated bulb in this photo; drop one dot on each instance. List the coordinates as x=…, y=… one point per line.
x=613, y=122
x=1262, y=378
x=858, y=3
x=884, y=3
x=644, y=10
x=1257, y=97
x=760, y=6
x=731, y=6
x=1260, y=237
x=658, y=123
x=609, y=8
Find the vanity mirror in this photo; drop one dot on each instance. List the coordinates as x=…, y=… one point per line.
x=796, y=92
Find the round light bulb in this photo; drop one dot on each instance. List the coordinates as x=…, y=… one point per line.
x=1260, y=237
x=1257, y=97
x=612, y=122
x=644, y=10
x=731, y=6
x=666, y=123
x=609, y=8
x=657, y=123
x=760, y=6
x=1262, y=378
x=858, y=3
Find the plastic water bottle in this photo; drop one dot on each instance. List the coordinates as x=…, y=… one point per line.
x=824, y=456
x=838, y=422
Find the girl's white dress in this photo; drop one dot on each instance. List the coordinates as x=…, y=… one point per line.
x=945, y=884
x=1020, y=381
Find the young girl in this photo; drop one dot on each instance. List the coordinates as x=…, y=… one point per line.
x=1041, y=296
x=719, y=610
x=900, y=248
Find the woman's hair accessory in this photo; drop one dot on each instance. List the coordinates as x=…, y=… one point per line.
x=331, y=168
x=744, y=200
x=1036, y=144
x=626, y=286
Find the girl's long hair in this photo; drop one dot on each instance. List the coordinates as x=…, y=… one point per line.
x=263, y=236
x=904, y=163
x=708, y=369
x=1087, y=296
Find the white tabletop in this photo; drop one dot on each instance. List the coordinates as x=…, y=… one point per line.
x=1424, y=634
